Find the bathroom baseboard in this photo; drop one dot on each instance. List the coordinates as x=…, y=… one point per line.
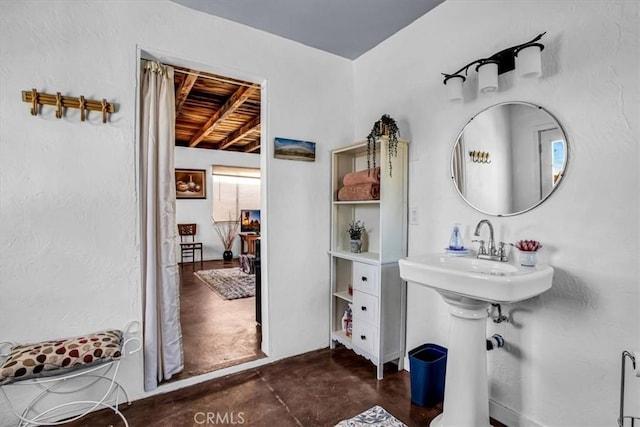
x=509, y=417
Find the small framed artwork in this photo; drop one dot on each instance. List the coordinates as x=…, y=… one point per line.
x=292, y=149
x=191, y=184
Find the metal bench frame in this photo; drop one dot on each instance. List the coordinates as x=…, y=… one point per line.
x=64, y=384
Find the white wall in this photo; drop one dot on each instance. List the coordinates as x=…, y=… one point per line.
x=199, y=210
x=526, y=123
x=561, y=366
x=69, y=245
x=489, y=187
x=70, y=252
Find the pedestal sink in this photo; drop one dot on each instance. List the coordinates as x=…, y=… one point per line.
x=469, y=285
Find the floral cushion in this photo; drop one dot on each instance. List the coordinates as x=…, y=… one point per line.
x=48, y=358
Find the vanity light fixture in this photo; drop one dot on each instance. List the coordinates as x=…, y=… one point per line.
x=525, y=58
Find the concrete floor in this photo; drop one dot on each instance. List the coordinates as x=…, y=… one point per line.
x=319, y=388
x=216, y=333
x=315, y=389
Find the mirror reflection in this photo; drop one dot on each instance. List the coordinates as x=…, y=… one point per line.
x=509, y=158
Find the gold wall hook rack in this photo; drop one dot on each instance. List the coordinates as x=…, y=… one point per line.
x=479, y=157
x=60, y=102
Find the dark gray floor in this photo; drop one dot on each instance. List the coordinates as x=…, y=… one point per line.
x=319, y=388
x=215, y=333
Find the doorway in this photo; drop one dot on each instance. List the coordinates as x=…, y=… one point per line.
x=218, y=129
x=552, y=155
x=217, y=122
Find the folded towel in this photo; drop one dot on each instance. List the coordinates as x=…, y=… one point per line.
x=369, y=191
x=362, y=177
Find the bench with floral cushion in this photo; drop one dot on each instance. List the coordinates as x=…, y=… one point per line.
x=51, y=364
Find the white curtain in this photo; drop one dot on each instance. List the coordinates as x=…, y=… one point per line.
x=162, y=333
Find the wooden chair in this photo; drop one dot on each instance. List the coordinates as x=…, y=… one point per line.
x=188, y=245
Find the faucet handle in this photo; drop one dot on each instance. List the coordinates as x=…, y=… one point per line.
x=481, y=250
x=501, y=250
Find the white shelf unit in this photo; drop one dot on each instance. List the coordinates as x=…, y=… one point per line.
x=379, y=294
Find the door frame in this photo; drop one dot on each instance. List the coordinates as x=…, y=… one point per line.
x=143, y=53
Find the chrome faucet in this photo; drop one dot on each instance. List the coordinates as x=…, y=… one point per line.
x=490, y=252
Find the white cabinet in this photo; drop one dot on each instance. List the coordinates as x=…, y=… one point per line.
x=378, y=296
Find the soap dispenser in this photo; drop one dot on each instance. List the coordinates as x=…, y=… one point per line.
x=455, y=242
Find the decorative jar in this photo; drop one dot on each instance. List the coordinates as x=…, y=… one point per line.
x=528, y=258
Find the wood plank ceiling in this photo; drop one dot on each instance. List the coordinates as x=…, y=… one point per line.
x=215, y=112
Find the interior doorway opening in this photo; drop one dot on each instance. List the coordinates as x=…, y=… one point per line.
x=217, y=124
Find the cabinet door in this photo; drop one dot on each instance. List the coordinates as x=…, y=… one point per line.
x=365, y=278
x=365, y=308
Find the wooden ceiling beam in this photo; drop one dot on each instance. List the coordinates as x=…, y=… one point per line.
x=236, y=100
x=183, y=91
x=248, y=127
x=251, y=147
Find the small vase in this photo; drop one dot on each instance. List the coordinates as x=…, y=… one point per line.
x=227, y=256
x=356, y=246
x=528, y=258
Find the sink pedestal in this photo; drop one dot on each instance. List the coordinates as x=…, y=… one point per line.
x=466, y=392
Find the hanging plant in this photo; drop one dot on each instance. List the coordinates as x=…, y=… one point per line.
x=388, y=127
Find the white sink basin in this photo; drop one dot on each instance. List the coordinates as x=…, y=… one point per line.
x=490, y=281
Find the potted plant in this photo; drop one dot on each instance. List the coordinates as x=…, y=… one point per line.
x=227, y=232
x=355, y=230
x=528, y=252
x=388, y=127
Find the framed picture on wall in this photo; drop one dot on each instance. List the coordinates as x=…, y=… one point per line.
x=191, y=184
x=293, y=149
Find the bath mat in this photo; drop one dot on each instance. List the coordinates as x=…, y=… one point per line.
x=229, y=283
x=375, y=416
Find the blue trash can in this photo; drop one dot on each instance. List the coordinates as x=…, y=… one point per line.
x=428, y=365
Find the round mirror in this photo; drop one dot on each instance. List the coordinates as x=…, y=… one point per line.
x=509, y=158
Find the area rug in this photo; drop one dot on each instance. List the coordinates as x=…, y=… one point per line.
x=375, y=416
x=229, y=283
